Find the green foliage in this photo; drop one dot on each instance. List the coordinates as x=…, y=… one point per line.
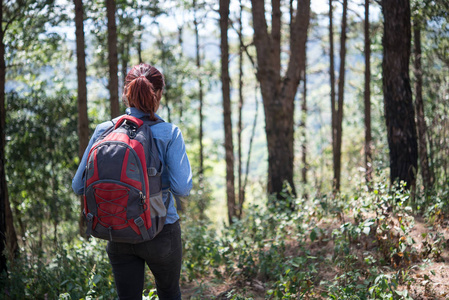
x=363, y=242
x=41, y=134
x=362, y=238
x=201, y=253
x=78, y=270
x=28, y=52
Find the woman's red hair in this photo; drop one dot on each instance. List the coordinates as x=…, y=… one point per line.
x=142, y=88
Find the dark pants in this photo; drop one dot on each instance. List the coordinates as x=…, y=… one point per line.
x=163, y=256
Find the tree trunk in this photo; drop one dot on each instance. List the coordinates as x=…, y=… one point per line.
x=181, y=55
x=112, y=59
x=83, y=121
x=200, y=93
x=3, y=186
x=303, y=116
x=367, y=100
x=251, y=139
x=11, y=235
x=334, y=117
x=303, y=128
x=398, y=103
x=139, y=40
x=124, y=53
x=341, y=95
x=163, y=62
x=419, y=106
x=8, y=236
x=240, y=122
x=125, y=61
x=229, y=146
x=181, y=45
x=278, y=93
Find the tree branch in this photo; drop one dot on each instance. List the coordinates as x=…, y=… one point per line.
x=298, y=38
x=245, y=47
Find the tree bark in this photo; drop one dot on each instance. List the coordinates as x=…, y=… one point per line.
x=181, y=43
x=83, y=121
x=126, y=34
x=251, y=139
x=8, y=236
x=304, y=127
x=334, y=117
x=278, y=93
x=229, y=146
x=139, y=39
x=3, y=186
x=367, y=99
x=163, y=62
x=303, y=114
x=241, y=189
x=419, y=106
x=398, y=103
x=200, y=93
x=341, y=95
x=125, y=61
x=112, y=58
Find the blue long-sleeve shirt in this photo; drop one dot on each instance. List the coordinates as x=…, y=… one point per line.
x=176, y=175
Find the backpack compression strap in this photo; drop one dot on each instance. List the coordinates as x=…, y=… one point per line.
x=140, y=223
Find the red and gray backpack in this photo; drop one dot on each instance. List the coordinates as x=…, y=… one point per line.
x=123, y=189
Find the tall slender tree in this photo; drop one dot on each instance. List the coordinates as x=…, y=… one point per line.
x=124, y=59
x=139, y=39
x=164, y=62
x=367, y=97
x=126, y=17
x=112, y=58
x=398, y=103
x=334, y=117
x=83, y=121
x=278, y=92
x=303, y=116
x=17, y=12
x=3, y=186
x=302, y=125
x=341, y=95
x=241, y=189
x=229, y=145
x=181, y=43
x=200, y=89
x=419, y=106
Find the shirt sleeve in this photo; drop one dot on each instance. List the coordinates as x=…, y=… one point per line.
x=177, y=162
x=78, y=179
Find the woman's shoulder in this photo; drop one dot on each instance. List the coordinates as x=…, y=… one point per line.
x=165, y=129
x=105, y=124
x=101, y=127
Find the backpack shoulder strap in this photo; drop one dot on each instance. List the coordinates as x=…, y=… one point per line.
x=147, y=120
x=108, y=130
x=114, y=121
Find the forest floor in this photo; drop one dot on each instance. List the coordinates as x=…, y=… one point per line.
x=430, y=277
x=422, y=269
